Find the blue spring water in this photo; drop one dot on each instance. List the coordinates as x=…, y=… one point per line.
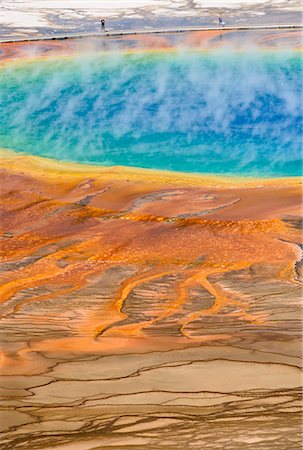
x=221, y=112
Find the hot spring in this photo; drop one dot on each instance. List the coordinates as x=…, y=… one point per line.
x=222, y=111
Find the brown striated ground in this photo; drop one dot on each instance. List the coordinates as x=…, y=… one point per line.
x=145, y=309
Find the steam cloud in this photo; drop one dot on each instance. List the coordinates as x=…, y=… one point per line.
x=220, y=112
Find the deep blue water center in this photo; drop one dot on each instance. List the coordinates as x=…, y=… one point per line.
x=222, y=112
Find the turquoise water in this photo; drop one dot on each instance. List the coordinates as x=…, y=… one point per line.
x=221, y=112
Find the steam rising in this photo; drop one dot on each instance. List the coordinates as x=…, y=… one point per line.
x=218, y=112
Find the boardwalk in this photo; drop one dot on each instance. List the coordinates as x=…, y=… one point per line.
x=117, y=33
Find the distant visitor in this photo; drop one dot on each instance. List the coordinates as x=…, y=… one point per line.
x=102, y=22
x=221, y=22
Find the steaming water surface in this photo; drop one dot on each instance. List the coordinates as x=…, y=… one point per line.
x=218, y=112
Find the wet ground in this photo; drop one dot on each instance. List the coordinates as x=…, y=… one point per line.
x=144, y=310
x=30, y=18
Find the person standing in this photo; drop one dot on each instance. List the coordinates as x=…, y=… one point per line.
x=221, y=22
x=102, y=22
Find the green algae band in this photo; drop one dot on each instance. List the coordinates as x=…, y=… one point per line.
x=219, y=112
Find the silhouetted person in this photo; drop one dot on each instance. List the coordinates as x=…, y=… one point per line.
x=102, y=22
x=221, y=22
